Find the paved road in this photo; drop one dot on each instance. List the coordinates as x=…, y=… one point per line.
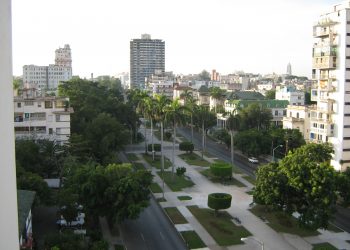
x=151, y=231
x=220, y=151
x=341, y=218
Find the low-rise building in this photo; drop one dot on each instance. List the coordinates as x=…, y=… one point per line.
x=291, y=94
x=42, y=117
x=298, y=117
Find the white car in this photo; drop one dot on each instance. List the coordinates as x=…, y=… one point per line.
x=253, y=160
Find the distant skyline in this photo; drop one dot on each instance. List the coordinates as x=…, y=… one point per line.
x=253, y=36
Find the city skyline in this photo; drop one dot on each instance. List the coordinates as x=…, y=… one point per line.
x=258, y=37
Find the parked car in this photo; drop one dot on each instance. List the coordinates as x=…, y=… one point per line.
x=253, y=160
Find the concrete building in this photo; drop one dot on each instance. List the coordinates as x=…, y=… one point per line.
x=41, y=117
x=330, y=118
x=289, y=69
x=291, y=94
x=146, y=56
x=161, y=83
x=9, y=238
x=49, y=77
x=298, y=117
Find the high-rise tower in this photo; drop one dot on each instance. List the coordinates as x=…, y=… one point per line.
x=289, y=69
x=146, y=56
x=330, y=119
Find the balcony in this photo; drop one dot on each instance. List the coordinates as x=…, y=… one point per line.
x=324, y=62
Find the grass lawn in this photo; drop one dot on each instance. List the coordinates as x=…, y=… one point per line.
x=176, y=184
x=119, y=247
x=194, y=159
x=227, y=181
x=175, y=215
x=250, y=179
x=155, y=188
x=221, y=228
x=324, y=246
x=192, y=239
x=132, y=157
x=281, y=222
x=184, y=198
x=156, y=163
x=138, y=166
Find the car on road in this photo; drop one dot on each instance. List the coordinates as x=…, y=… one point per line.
x=253, y=160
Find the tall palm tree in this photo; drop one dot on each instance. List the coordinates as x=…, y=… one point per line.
x=141, y=100
x=190, y=103
x=204, y=119
x=232, y=124
x=216, y=93
x=161, y=102
x=149, y=110
x=175, y=115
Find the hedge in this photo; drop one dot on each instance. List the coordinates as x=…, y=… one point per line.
x=186, y=146
x=221, y=169
x=219, y=201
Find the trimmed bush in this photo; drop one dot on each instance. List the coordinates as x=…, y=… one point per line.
x=186, y=146
x=219, y=201
x=221, y=169
x=156, y=147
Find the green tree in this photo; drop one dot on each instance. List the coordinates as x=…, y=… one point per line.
x=255, y=116
x=344, y=187
x=219, y=201
x=217, y=94
x=143, y=107
x=105, y=136
x=204, y=119
x=191, y=104
x=252, y=142
x=304, y=182
x=115, y=191
x=174, y=113
x=204, y=76
x=270, y=94
x=232, y=124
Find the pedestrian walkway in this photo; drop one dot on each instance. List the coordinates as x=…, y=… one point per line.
x=240, y=205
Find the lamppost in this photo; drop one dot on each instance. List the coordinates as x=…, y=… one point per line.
x=273, y=152
x=253, y=238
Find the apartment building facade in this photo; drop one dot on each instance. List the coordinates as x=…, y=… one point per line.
x=42, y=117
x=49, y=77
x=330, y=118
x=146, y=56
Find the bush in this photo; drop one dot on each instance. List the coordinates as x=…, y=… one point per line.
x=186, y=146
x=221, y=169
x=167, y=135
x=156, y=147
x=180, y=171
x=219, y=201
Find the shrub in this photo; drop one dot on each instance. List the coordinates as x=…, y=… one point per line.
x=221, y=169
x=167, y=135
x=156, y=147
x=219, y=201
x=186, y=146
x=180, y=171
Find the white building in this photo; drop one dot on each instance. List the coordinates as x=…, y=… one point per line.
x=298, y=117
x=49, y=77
x=290, y=94
x=42, y=117
x=330, y=119
x=161, y=83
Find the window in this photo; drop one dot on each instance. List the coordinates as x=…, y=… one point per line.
x=314, y=125
x=39, y=104
x=19, y=104
x=347, y=103
x=284, y=112
x=322, y=126
x=48, y=105
x=58, y=118
x=346, y=149
x=346, y=126
x=58, y=131
x=346, y=138
x=298, y=115
x=28, y=103
x=276, y=112
x=50, y=131
x=346, y=114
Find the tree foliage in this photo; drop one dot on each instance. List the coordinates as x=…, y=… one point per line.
x=302, y=182
x=115, y=191
x=270, y=94
x=219, y=201
x=255, y=116
x=186, y=146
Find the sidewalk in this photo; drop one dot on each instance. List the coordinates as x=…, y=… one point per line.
x=240, y=205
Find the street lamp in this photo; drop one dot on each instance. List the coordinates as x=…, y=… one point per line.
x=253, y=238
x=273, y=152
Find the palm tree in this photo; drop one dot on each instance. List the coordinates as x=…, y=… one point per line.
x=141, y=100
x=191, y=104
x=160, y=104
x=149, y=110
x=216, y=93
x=175, y=114
x=232, y=124
x=204, y=119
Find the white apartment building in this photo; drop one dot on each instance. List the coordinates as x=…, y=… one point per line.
x=42, y=117
x=298, y=117
x=291, y=94
x=161, y=83
x=49, y=77
x=330, y=118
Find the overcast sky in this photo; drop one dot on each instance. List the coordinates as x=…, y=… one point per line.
x=227, y=35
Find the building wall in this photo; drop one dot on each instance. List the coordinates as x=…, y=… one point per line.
x=146, y=56
x=9, y=238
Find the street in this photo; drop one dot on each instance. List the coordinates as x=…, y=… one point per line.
x=151, y=231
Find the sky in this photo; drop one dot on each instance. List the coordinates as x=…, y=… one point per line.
x=227, y=35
